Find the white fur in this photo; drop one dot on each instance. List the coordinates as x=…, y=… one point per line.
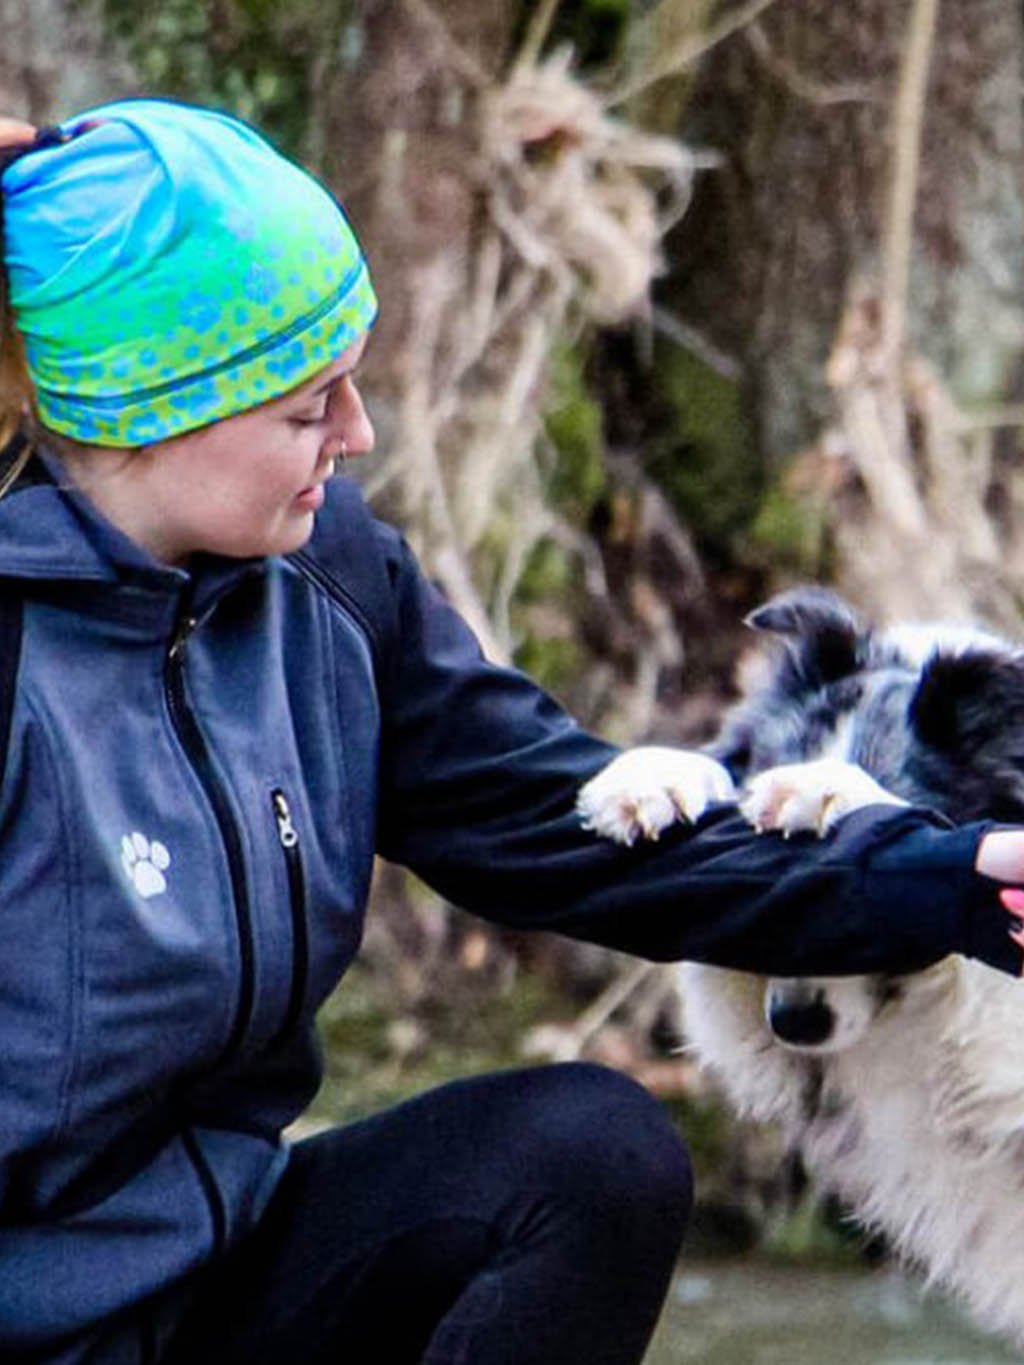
x=801, y=796
x=913, y=1109
x=918, y=641
x=919, y=1124
x=643, y=791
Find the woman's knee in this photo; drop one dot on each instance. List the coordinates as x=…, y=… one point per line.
x=598, y=1134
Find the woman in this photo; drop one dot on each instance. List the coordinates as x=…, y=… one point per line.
x=234, y=687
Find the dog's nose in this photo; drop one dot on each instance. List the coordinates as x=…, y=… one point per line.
x=800, y=1019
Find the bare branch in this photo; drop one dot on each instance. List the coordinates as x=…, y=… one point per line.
x=689, y=52
x=987, y=419
x=567, y=1042
x=908, y=120
x=803, y=86
x=537, y=33
x=458, y=58
x=698, y=345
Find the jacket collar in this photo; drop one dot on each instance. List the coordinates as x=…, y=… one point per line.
x=51, y=532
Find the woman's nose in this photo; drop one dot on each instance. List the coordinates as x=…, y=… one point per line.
x=351, y=427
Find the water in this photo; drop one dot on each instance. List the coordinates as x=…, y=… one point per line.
x=747, y=1313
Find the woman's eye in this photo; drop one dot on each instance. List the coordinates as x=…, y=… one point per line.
x=310, y=419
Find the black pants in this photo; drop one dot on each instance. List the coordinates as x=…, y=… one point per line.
x=525, y=1218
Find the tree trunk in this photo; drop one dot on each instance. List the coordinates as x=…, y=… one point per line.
x=402, y=141
x=786, y=251
x=55, y=59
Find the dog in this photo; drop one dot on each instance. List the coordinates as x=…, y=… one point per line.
x=905, y=1094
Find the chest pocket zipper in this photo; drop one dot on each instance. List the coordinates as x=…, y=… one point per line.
x=291, y=850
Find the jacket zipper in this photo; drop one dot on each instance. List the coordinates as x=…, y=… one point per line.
x=291, y=849
x=198, y=754
x=210, y=1188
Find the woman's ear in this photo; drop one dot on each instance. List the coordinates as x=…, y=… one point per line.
x=15, y=132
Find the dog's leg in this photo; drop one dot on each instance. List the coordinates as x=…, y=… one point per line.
x=810, y=796
x=978, y=1045
x=645, y=790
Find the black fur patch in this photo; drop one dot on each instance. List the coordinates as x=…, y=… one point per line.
x=948, y=734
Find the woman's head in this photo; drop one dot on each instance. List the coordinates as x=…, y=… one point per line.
x=183, y=308
x=166, y=268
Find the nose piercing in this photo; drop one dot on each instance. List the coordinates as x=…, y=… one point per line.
x=341, y=457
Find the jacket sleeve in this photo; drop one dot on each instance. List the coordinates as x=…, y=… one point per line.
x=479, y=775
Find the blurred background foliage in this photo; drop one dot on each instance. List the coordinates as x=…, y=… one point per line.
x=683, y=300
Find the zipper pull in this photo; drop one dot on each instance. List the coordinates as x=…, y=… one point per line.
x=286, y=831
x=185, y=628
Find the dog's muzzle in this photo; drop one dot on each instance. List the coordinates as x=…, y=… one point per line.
x=825, y=1014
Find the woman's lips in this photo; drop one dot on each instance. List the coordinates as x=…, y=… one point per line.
x=311, y=499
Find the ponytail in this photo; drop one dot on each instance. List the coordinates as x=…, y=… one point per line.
x=16, y=394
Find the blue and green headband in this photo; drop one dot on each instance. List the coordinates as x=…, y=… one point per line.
x=167, y=267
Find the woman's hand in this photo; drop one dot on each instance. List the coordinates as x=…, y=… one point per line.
x=1001, y=856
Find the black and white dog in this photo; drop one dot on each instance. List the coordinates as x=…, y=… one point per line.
x=906, y=1093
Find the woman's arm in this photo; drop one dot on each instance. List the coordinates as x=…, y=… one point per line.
x=480, y=771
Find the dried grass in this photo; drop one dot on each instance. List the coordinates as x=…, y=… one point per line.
x=580, y=195
x=575, y=205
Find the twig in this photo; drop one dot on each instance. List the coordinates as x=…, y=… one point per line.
x=566, y=1042
x=801, y=85
x=908, y=120
x=691, y=340
x=690, y=51
x=619, y=990
x=466, y=65
x=537, y=33
x=986, y=419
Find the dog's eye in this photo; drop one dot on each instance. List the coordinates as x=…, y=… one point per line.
x=888, y=988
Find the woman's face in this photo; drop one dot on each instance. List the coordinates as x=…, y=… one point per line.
x=244, y=486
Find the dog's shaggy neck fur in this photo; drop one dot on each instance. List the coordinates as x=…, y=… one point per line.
x=917, y=1124
x=918, y=1127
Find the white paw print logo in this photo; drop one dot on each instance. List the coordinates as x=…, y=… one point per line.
x=145, y=861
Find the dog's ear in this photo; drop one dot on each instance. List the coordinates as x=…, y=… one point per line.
x=825, y=637
x=968, y=716
x=967, y=699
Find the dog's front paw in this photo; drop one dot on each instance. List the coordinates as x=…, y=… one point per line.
x=645, y=790
x=810, y=796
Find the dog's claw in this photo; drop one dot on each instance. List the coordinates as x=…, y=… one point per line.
x=810, y=796
x=645, y=790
